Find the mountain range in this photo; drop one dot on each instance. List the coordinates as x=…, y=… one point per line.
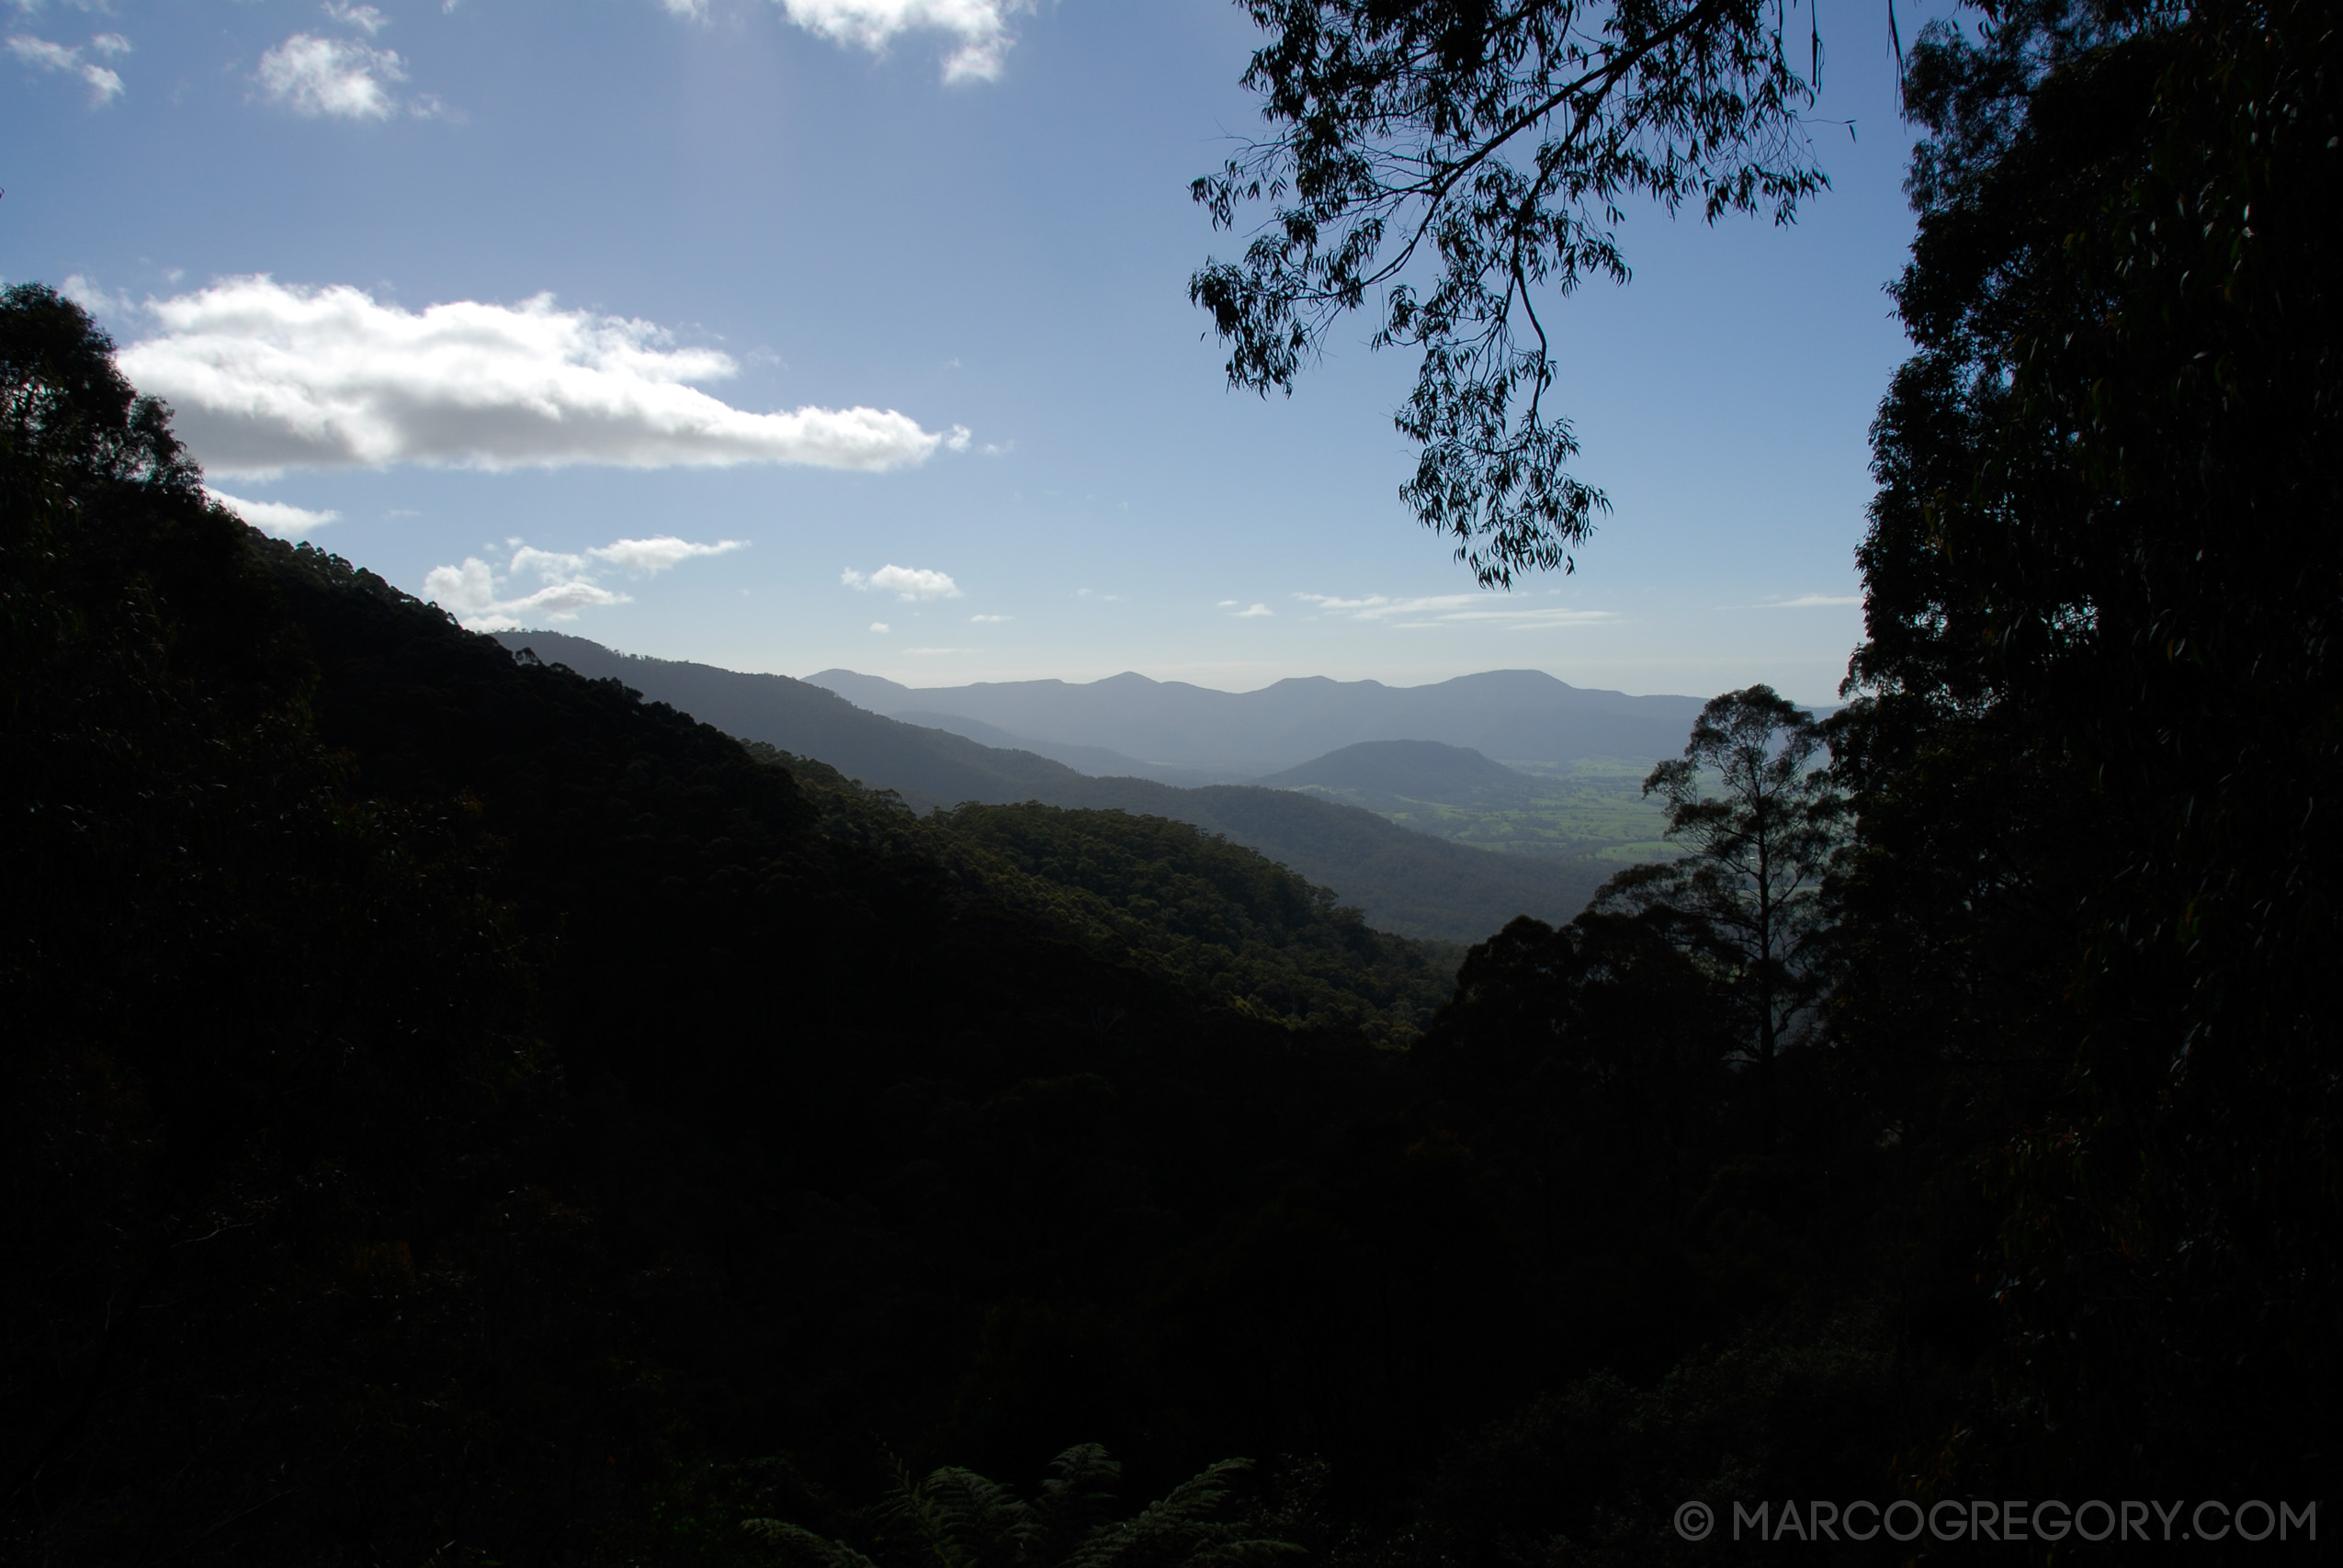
x=1404, y=881
x=1510, y=714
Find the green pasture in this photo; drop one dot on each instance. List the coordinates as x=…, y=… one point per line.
x=1593, y=807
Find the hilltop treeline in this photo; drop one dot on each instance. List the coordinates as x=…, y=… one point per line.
x=454, y=1110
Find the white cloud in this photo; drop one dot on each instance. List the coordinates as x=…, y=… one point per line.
x=550, y=566
x=1810, y=601
x=647, y=557
x=878, y=625
x=277, y=517
x=486, y=601
x=1255, y=613
x=266, y=377
x=691, y=10
x=471, y=592
x=313, y=77
x=1449, y=609
x=91, y=296
x=105, y=86
x=365, y=18
x=908, y=582
x=980, y=26
x=989, y=620
x=935, y=650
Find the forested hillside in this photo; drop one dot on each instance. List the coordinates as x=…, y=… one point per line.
x=442, y=1089
x=455, y=1108
x=1402, y=881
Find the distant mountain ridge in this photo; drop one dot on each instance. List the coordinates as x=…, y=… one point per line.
x=1097, y=761
x=1407, y=883
x=1502, y=714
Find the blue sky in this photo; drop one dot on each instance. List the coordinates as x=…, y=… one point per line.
x=865, y=325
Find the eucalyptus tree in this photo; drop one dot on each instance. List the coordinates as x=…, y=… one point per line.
x=1762, y=823
x=2094, y=730
x=1458, y=165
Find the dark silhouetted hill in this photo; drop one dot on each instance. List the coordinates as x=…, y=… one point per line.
x=1404, y=882
x=927, y=767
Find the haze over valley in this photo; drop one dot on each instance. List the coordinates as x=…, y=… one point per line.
x=1412, y=849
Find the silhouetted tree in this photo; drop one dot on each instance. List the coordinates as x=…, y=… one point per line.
x=2093, y=743
x=1490, y=143
x=1749, y=886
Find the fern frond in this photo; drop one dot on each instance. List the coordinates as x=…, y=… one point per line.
x=803, y=1546
x=956, y=1518
x=1174, y=1529
x=1080, y=1491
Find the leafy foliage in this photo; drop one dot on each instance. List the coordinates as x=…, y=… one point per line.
x=1218, y=915
x=1491, y=142
x=2097, y=708
x=956, y=1516
x=1750, y=888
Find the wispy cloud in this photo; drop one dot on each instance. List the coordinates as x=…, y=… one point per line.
x=266, y=377
x=277, y=517
x=645, y=557
x=487, y=600
x=907, y=582
x=880, y=626
x=1254, y=612
x=105, y=86
x=365, y=18
x=1810, y=601
x=989, y=620
x=1452, y=609
x=980, y=28
x=337, y=78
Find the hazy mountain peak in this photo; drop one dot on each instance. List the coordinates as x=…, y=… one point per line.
x=1413, y=770
x=1519, y=714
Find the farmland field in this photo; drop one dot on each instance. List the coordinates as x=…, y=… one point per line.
x=1593, y=807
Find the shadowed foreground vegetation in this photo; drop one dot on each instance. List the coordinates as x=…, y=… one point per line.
x=455, y=1111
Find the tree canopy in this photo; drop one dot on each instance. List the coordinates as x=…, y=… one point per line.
x=1456, y=166
x=1757, y=851
x=2093, y=742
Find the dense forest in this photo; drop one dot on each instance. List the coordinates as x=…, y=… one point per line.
x=454, y=1110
